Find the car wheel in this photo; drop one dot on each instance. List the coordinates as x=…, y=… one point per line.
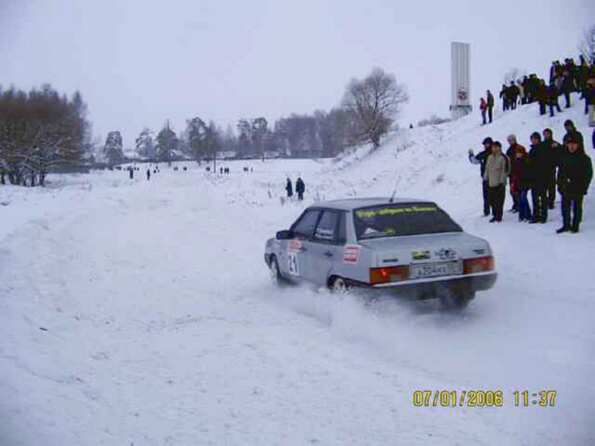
x=275, y=274
x=339, y=285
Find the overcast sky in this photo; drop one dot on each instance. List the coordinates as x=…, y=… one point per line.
x=140, y=62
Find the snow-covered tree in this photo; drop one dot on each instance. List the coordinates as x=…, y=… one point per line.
x=112, y=150
x=145, y=146
x=167, y=143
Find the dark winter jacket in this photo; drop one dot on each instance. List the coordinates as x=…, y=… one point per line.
x=481, y=158
x=490, y=100
x=541, y=165
x=555, y=151
x=289, y=188
x=576, y=172
x=300, y=187
x=516, y=165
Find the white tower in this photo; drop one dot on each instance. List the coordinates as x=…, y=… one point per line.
x=460, y=80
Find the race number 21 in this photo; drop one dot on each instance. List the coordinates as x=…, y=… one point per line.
x=293, y=265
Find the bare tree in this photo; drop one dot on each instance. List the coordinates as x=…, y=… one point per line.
x=514, y=74
x=586, y=45
x=374, y=101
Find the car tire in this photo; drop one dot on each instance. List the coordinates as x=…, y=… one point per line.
x=338, y=285
x=275, y=273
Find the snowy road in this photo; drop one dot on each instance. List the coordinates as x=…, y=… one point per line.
x=142, y=314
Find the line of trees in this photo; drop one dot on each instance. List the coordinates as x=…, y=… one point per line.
x=367, y=112
x=40, y=130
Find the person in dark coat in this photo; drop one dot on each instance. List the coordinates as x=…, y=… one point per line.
x=552, y=97
x=300, y=188
x=131, y=172
x=542, y=96
x=513, y=148
x=483, y=107
x=289, y=188
x=504, y=96
x=490, y=100
x=572, y=132
x=148, y=174
x=554, y=149
x=567, y=86
x=540, y=162
x=588, y=94
x=481, y=159
x=520, y=180
x=576, y=172
x=513, y=94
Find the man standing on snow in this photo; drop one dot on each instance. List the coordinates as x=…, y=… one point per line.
x=148, y=174
x=574, y=177
x=289, y=189
x=481, y=159
x=300, y=188
x=496, y=173
x=513, y=148
x=490, y=98
x=554, y=150
x=483, y=107
x=504, y=96
x=540, y=162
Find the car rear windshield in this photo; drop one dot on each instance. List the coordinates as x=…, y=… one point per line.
x=393, y=220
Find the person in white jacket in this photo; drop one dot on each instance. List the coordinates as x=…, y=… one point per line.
x=496, y=173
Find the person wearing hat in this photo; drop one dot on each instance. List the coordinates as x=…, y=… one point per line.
x=554, y=149
x=571, y=131
x=541, y=164
x=496, y=172
x=574, y=177
x=481, y=159
x=513, y=148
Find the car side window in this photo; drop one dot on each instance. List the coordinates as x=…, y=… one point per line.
x=304, y=227
x=326, y=230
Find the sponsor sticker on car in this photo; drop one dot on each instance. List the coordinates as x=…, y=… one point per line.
x=351, y=254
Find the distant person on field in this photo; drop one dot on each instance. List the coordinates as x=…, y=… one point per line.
x=513, y=148
x=490, y=99
x=300, y=188
x=483, y=107
x=481, y=159
x=131, y=172
x=148, y=174
x=289, y=188
x=554, y=149
x=496, y=173
x=574, y=177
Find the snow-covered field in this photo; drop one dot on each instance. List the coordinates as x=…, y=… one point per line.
x=140, y=313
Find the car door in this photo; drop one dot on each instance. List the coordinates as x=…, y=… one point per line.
x=327, y=245
x=297, y=263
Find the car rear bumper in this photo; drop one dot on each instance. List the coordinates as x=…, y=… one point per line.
x=427, y=287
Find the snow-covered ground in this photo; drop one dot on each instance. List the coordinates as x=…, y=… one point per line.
x=140, y=313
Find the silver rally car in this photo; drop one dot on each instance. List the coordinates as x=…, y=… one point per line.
x=409, y=245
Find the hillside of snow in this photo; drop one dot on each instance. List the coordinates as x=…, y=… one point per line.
x=141, y=313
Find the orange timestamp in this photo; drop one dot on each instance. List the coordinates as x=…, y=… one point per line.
x=482, y=398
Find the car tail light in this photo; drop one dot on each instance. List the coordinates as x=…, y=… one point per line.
x=389, y=274
x=478, y=265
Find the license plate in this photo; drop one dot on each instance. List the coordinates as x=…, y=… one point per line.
x=437, y=269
